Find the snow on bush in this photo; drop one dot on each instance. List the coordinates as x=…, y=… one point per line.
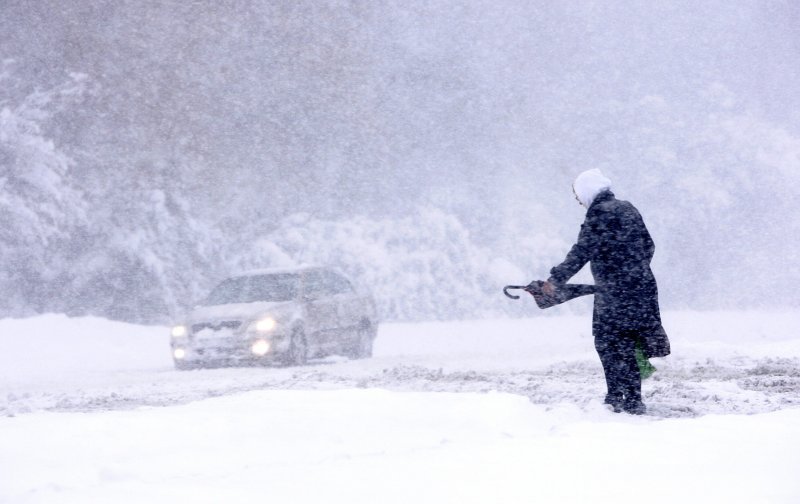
x=423, y=266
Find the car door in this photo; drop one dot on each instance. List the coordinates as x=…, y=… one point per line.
x=322, y=313
x=349, y=309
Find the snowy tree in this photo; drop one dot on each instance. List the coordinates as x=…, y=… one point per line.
x=39, y=208
x=144, y=258
x=212, y=123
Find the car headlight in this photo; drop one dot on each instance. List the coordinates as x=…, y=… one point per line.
x=264, y=325
x=260, y=347
x=179, y=331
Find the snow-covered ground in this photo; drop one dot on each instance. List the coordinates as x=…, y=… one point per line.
x=471, y=411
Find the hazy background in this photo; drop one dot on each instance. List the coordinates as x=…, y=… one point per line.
x=149, y=148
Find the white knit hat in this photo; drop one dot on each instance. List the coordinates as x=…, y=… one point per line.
x=589, y=184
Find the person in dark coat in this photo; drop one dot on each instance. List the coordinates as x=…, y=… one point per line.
x=615, y=241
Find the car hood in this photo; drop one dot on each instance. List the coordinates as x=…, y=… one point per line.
x=239, y=311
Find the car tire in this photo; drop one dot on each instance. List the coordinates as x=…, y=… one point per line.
x=298, y=348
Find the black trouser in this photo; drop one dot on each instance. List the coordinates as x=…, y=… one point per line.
x=616, y=349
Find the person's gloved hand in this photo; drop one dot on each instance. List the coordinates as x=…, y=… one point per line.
x=534, y=288
x=548, y=288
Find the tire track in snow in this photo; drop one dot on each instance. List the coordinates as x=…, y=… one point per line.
x=678, y=389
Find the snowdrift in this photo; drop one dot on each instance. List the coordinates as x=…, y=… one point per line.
x=471, y=411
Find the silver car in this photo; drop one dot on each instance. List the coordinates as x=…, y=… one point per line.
x=277, y=316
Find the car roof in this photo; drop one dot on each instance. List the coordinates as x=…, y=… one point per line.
x=277, y=271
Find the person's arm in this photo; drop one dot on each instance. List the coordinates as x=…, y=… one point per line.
x=649, y=245
x=577, y=257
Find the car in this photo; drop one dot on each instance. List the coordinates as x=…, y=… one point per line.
x=283, y=316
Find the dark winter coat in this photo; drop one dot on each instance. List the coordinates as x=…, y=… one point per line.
x=614, y=239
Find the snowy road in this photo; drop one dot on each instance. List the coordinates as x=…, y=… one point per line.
x=721, y=363
x=505, y=411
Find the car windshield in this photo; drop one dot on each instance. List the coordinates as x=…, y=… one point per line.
x=250, y=289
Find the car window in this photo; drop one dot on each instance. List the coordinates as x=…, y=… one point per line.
x=274, y=287
x=320, y=284
x=337, y=283
x=315, y=285
x=249, y=289
x=229, y=291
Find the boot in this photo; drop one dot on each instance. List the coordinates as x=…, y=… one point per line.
x=615, y=401
x=634, y=407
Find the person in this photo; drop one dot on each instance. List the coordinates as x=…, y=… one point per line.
x=616, y=243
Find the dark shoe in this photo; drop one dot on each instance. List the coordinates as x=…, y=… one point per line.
x=635, y=408
x=615, y=402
